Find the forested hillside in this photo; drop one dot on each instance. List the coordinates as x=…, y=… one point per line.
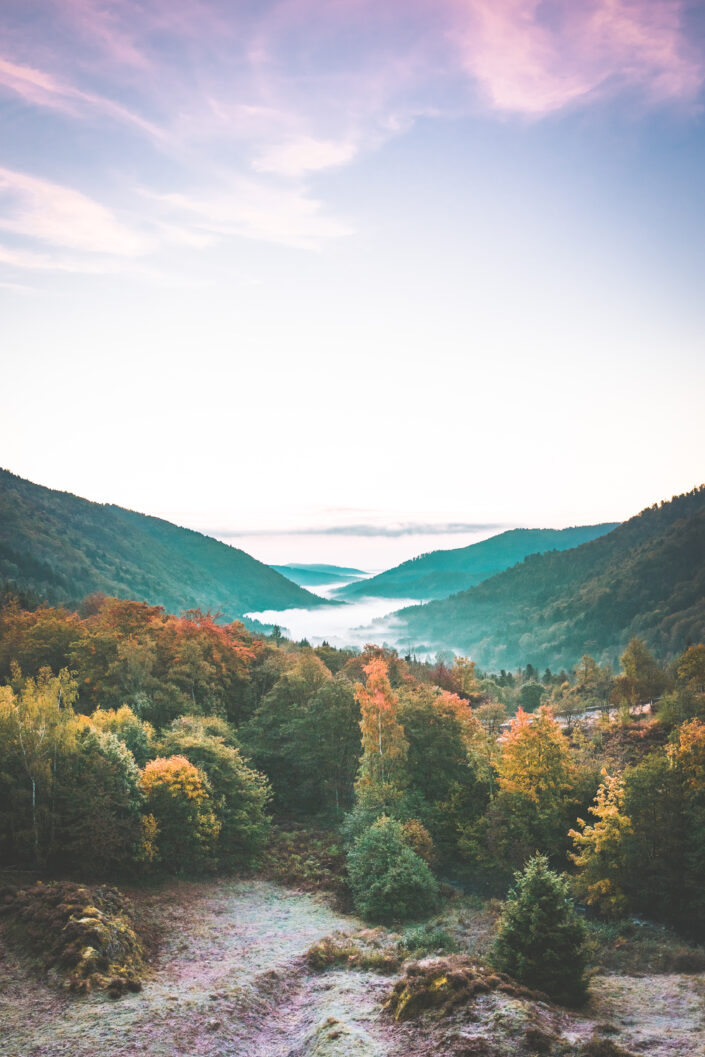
x=63, y=548
x=445, y=572
x=315, y=575
x=645, y=578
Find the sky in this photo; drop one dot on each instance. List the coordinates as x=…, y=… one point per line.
x=349, y=280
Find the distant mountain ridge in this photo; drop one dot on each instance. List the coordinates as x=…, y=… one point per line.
x=646, y=578
x=316, y=574
x=64, y=547
x=445, y=572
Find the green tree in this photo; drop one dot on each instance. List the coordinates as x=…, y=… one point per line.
x=390, y=882
x=540, y=941
x=99, y=803
x=136, y=734
x=37, y=724
x=239, y=795
x=642, y=679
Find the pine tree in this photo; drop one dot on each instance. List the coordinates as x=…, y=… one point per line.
x=541, y=938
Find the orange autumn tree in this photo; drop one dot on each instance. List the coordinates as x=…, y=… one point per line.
x=382, y=776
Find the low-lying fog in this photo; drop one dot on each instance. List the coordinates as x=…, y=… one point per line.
x=343, y=625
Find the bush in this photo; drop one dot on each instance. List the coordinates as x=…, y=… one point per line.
x=541, y=938
x=389, y=881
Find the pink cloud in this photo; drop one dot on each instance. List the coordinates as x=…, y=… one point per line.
x=48, y=212
x=43, y=89
x=533, y=57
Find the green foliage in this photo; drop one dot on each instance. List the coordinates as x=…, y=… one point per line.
x=541, y=939
x=135, y=734
x=65, y=548
x=389, y=881
x=443, y=573
x=98, y=806
x=239, y=795
x=646, y=578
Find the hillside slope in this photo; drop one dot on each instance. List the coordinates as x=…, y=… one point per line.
x=315, y=575
x=63, y=548
x=645, y=578
x=445, y=572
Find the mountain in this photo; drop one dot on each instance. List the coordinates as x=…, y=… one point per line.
x=442, y=573
x=63, y=548
x=315, y=575
x=645, y=578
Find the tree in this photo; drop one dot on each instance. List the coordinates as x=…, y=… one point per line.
x=180, y=819
x=384, y=745
x=390, y=882
x=136, y=734
x=530, y=696
x=535, y=758
x=642, y=679
x=533, y=806
x=541, y=939
x=99, y=801
x=239, y=795
x=600, y=849
x=37, y=725
x=691, y=667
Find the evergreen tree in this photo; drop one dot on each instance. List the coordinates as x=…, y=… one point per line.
x=390, y=882
x=541, y=938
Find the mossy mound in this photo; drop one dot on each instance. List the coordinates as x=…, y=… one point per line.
x=367, y=949
x=87, y=935
x=443, y=985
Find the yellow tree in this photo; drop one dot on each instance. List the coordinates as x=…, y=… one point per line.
x=535, y=757
x=384, y=744
x=599, y=849
x=466, y=680
x=36, y=724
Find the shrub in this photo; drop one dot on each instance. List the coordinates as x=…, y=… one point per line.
x=388, y=879
x=541, y=938
x=427, y=939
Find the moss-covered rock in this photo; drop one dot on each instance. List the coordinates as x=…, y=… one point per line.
x=87, y=935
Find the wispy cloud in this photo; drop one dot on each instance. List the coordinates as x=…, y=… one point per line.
x=391, y=531
x=63, y=217
x=244, y=106
x=250, y=209
x=304, y=155
x=45, y=90
x=530, y=57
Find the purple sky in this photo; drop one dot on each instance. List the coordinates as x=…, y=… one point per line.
x=274, y=266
